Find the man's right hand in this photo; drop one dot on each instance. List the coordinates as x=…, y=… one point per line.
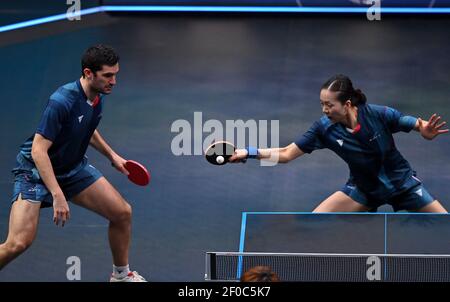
x=61, y=210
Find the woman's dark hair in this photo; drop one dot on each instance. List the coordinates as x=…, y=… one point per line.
x=345, y=91
x=260, y=274
x=98, y=55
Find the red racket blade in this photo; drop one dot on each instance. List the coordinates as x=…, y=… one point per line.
x=138, y=173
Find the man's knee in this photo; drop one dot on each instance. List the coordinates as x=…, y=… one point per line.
x=123, y=214
x=17, y=246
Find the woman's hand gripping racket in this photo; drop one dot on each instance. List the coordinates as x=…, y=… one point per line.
x=219, y=153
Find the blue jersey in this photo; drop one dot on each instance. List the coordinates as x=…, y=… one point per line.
x=376, y=166
x=69, y=120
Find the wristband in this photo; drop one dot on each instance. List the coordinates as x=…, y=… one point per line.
x=252, y=152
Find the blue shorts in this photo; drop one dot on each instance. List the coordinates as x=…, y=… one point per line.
x=412, y=199
x=33, y=189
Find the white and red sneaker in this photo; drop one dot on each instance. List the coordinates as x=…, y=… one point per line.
x=131, y=277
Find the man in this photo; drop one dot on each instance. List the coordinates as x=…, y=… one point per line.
x=52, y=167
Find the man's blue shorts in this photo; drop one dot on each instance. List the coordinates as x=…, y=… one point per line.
x=28, y=183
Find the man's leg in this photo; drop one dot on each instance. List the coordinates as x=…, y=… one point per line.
x=340, y=202
x=23, y=222
x=102, y=198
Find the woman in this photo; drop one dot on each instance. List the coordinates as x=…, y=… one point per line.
x=361, y=134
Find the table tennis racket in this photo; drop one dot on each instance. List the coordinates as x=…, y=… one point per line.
x=219, y=153
x=138, y=173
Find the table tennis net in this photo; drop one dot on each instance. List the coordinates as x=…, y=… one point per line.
x=225, y=266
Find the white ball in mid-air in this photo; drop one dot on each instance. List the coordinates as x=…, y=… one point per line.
x=220, y=159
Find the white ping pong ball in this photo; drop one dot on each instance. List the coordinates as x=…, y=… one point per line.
x=220, y=159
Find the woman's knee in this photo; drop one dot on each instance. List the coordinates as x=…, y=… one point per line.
x=433, y=207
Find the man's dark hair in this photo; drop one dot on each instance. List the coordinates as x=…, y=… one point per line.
x=98, y=55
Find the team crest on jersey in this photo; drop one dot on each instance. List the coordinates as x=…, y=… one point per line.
x=80, y=118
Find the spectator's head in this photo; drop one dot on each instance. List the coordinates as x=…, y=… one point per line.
x=260, y=274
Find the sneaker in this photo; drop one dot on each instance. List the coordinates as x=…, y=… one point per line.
x=131, y=277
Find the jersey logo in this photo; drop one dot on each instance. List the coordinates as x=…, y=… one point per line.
x=340, y=142
x=419, y=192
x=80, y=118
